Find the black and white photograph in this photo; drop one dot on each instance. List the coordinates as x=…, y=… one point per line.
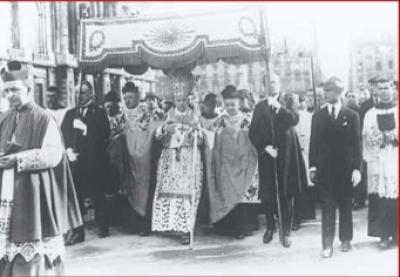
x=199, y=138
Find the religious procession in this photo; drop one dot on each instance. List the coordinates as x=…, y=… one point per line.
x=86, y=166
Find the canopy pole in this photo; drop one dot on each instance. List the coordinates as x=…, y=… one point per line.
x=77, y=105
x=263, y=41
x=316, y=107
x=196, y=114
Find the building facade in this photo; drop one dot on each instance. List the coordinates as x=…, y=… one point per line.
x=293, y=68
x=372, y=57
x=44, y=37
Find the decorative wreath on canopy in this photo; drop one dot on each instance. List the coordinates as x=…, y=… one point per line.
x=96, y=40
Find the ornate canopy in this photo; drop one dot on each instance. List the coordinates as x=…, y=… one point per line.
x=172, y=41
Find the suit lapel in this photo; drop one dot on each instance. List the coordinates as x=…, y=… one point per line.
x=341, y=116
x=327, y=115
x=89, y=115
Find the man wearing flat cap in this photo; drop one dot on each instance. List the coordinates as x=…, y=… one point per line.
x=38, y=199
x=335, y=160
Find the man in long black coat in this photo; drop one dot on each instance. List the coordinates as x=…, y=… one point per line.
x=270, y=132
x=335, y=160
x=360, y=192
x=86, y=131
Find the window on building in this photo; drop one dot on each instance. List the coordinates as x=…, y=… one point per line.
x=38, y=93
x=390, y=64
x=297, y=75
x=48, y=28
x=215, y=76
x=238, y=75
x=251, y=81
x=378, y=65
x=276, y=63
x=203, y=84
x=215, y=86
x=237, y=82
x=5, y=23
x=29, y=27
x=43, y=24
x=226, y=67
x=250, y=69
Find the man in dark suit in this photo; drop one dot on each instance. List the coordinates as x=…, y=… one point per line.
x=268, y=134
x=86, y=132
x=335, y=159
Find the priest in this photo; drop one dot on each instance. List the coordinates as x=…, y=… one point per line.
x=180, y=168
x=39, y=202
x=234, y=192
x=135, y=164
x=380, y=139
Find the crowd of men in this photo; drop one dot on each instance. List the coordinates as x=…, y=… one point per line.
x=164, y=166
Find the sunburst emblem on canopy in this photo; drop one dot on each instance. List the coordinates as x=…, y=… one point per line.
x=170, y=37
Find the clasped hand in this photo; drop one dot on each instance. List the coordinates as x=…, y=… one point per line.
x=7, y=162
x=274, y=103
x=272, y=151
x=355, y=177
x=78, y=124
x=168, y=128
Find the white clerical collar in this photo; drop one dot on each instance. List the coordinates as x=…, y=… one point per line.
x=238, y=115
x=177, y=112
x=133, y=109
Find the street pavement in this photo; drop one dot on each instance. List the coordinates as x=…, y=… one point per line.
x=127, y=254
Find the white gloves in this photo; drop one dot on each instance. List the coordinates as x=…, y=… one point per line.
x=78, y=124
x=313, y=176
x=356, y=177
x=272, y=151
x=71, y=155
x=274, y=103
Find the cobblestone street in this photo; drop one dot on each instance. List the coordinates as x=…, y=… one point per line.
x=125, y=254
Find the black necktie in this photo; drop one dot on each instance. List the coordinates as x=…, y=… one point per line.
x=333, y=113
x=83, y=112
